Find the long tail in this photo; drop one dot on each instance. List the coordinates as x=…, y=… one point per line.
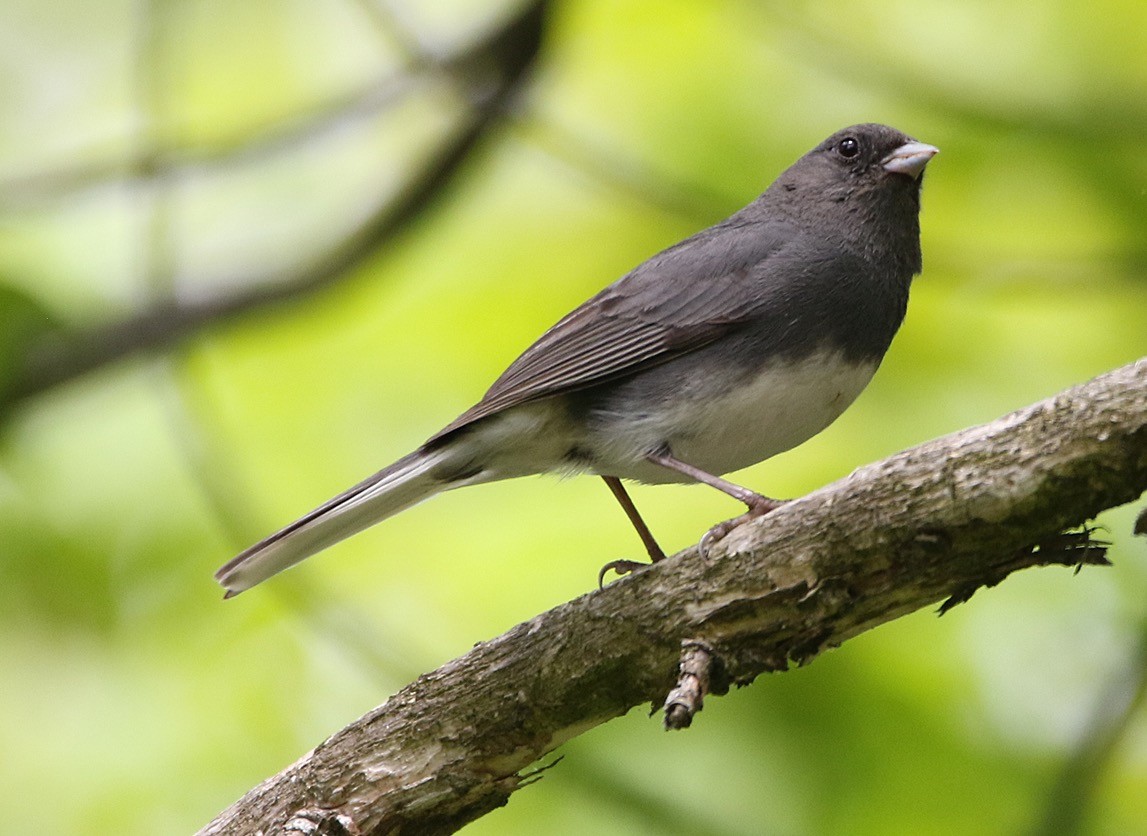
x=384, y=494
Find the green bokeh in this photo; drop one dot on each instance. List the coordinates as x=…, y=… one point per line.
x=134, y=701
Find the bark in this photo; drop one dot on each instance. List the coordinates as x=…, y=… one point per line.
x=932, y=523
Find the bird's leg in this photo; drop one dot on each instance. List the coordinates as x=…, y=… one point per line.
x=624, y=567
x=758, y=505
x=647, y=540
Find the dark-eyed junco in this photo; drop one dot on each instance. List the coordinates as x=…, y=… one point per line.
x=732, y=346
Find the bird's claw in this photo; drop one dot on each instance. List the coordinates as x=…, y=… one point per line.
x=715, y=535
x=621, y=567
x=718, y=532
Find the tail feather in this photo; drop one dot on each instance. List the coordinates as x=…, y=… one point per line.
x=384, y=494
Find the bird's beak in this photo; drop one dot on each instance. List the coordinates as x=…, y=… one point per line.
x=910, y=158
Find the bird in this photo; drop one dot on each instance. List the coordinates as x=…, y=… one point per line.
x=736, y=344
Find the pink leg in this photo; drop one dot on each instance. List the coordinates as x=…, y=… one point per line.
x=758, y=505
x=624, y=567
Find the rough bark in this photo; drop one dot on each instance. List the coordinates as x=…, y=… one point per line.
x=932, y=523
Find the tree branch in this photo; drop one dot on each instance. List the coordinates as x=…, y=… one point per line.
x=934, y=522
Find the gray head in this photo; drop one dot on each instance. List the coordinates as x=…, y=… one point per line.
x=861, y=185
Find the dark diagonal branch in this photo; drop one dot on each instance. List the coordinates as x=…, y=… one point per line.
x=932, y=523
x=492, y=72
x=334, y=114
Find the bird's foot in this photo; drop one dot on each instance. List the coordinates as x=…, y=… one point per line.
x=621, y=567
x=758, y=507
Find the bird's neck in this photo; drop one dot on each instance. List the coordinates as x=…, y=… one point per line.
x=881, y=227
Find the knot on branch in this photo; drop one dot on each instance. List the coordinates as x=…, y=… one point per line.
x=318, y=822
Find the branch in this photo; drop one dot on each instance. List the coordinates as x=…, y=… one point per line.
x=338, y=113
x=491, y=72
x=934, y=522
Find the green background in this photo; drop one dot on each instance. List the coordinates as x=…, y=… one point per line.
x=183, y=150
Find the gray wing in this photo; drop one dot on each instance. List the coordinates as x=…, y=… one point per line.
x=679, y=300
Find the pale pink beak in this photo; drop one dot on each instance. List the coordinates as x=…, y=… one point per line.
x=910, y=158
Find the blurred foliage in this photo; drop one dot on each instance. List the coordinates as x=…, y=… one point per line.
x=175, y=149
x=23, y=323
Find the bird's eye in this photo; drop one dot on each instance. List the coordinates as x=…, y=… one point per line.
x=848, y=147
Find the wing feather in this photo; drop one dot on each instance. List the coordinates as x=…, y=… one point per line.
x=719, y=279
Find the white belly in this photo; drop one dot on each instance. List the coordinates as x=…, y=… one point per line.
x=727, y=428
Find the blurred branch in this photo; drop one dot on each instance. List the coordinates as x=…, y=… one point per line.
x=493, y=71
x=603, y=164
x=1074, y=789
x=937, y=521
x=688, y=199
x=332, y=115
